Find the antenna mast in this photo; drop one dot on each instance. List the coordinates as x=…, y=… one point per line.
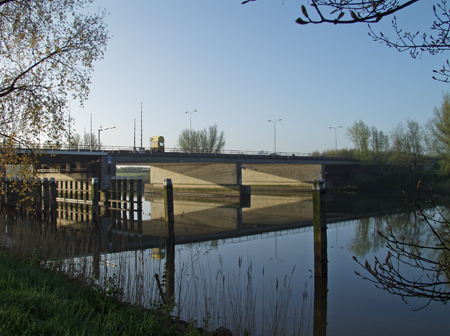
x=141, y=125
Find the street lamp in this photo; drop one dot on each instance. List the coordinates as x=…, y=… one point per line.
x=274, y=134
x=190, y=126
x=335, y=137
x=103, y=129
x=70, y=121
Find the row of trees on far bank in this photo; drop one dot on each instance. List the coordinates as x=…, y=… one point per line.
x=407, y=145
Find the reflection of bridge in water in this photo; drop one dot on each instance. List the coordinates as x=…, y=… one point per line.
x=198, y=220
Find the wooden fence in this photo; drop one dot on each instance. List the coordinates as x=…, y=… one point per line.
x=75, y=201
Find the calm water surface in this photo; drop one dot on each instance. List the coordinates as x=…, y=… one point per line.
x=251, y=267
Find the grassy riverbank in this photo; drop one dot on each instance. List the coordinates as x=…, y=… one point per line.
x=38, y=301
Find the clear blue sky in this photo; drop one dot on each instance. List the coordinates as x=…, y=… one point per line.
x=241, y=65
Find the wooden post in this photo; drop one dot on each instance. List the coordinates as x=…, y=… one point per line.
x=119, y=205
x=170, y=240
x=53, y=203
x=124, y=206
x=320, y=259
x=320, y=229
x=46, y=198
x=86, y=192
x=139, y=205
x=95, y=222
x=131, y=202
x=94, y=199
x=320, y=306
x=38, y=201
x=113, y=204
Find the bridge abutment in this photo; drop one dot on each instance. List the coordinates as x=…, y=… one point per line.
x=200, y=174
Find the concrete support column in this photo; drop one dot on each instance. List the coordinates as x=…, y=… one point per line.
x=107, y=170
x=238, y=174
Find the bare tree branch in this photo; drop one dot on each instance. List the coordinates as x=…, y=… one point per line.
x=430, y=260
x=372, y=11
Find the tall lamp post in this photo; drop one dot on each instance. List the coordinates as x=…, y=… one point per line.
x=190, y=127
x=70, y=121
x=103, y=129
x=274, y=134
x=335, y=137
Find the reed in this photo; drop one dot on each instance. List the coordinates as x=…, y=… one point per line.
x=209, y=296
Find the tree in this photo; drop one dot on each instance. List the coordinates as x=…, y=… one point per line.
x=372, y=11
x=76, y=141
x=359, y=134
x=408, y=144
x=379, y=142
x=47, y=53
x=90, y=141
x=204, y=141
x=438, y=139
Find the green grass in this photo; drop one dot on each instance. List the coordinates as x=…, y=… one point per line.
x=39, y=301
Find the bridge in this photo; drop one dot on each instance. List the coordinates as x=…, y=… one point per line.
x=204, y=170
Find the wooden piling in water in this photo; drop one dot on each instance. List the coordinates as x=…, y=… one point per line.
x=124, y=206
x=38, y=201
x=94, y=199
x=53, y=203
x=119, y=205
x=113, y=204
x=170, y=240
x=131, y=207
x=320, y=259
x=139, y=205
x=95, y=222
x=320, y=229
x=46, y=198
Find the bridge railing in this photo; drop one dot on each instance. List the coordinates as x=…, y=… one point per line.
x=146, y=150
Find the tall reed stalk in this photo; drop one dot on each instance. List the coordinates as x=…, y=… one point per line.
x=206, y=294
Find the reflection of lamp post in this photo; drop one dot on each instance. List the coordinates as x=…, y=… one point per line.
x=337, y=244
x=274, y=134
x=276, y=248
x=103, y=129
x=335, y=137
x=190, y=126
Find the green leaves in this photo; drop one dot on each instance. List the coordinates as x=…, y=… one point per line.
x=46, y=55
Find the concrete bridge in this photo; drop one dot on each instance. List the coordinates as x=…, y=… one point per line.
x=199, y=169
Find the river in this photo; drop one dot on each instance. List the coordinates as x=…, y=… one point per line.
x=249, y=266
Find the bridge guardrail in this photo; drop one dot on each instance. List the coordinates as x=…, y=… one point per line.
x=144, y=150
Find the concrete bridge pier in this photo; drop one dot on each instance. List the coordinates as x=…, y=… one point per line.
x=107, y=171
